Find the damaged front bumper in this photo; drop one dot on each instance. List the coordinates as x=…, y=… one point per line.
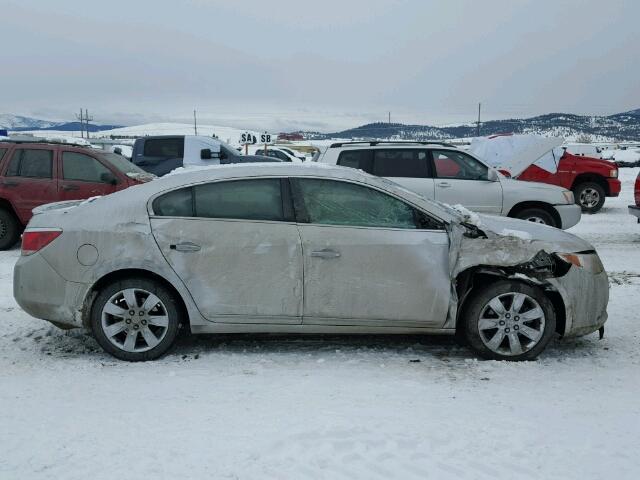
x=585, y=296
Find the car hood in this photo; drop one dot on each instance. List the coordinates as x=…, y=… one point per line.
x=548, y=238
x=516, y=153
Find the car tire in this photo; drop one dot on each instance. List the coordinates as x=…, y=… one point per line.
x=590, y=196
x=537, y=215
x=130, y=324
x=9, y=229
x=527, y=319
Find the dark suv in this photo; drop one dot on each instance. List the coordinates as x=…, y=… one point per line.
x=35, y=173
x=161, y=154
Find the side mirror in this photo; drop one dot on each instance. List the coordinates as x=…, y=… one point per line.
x=492, y=175
x=108, y=177
x=207, y=154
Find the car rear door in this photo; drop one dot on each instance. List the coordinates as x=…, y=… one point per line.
x=461, y=179
x=236, y=247
x=83, y=176
x=370, y=258
x=29, y=178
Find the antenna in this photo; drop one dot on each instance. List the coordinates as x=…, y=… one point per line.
x=478, y=122
x=195, y=123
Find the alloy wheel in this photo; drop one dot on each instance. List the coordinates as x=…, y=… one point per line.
x=511, y=324
x=134, y=320
x=589, y=198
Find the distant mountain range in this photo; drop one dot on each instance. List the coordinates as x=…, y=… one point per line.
x=619, y=127
x=18, y=123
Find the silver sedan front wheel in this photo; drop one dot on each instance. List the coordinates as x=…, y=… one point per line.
x=509, y=320
x=135, y=319
x=511, y=323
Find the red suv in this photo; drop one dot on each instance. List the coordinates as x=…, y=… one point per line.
x=35, y=173
x=590, y=179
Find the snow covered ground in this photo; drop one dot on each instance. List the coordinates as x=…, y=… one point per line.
x=260, y=406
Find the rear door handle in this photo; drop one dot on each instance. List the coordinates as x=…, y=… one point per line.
x=444, y=185
x=9, y=183
x=325, y=253
x=185, y=247
x=69, y=187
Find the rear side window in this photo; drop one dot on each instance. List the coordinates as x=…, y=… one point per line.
x=31, y=163
x=355, y=159
x=259, y=199
x=77, y=166
x=164, y=147
x=2, y=152
x=399, y=162
x=178, y=203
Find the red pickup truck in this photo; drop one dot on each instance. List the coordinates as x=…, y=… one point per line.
x=543, y=159
x=35, y=173
x=590, y=179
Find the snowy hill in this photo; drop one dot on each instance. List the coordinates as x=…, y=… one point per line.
x=618, y=127
x=13, y=122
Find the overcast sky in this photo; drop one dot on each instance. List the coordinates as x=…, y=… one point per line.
x=325, y=64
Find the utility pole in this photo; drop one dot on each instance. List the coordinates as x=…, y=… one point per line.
x=80, y=118
x=87, y=120
x=195, y=123
x=478, y=128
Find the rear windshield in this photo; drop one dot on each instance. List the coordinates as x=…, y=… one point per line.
x=121, y=163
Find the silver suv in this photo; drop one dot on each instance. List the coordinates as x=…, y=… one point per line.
x=440, y=171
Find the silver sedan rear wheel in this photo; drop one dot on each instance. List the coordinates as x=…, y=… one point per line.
x=134, y=320
x=511, y=324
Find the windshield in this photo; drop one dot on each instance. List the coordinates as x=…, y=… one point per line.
x=121, y=163
x=228, y=150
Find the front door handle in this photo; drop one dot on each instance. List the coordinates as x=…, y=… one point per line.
x=325, y=253
x=9, y=183
x=69, y=187
x=185, y=247
x=444, y=185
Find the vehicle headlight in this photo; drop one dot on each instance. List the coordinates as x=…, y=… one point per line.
x=568, y=196
x=589, y=261
x=613, y=173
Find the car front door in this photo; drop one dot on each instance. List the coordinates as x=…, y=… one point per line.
x=83, y=176
x=236, y=247
x=461, y=179
x=30, y=179
x=370, y=258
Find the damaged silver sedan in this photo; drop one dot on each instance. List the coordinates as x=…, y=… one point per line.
x=302, y=249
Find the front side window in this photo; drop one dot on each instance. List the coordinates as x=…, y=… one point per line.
x=400, y=162
x=78, y=166
x=164, y=147
x=2, y=152
x=331, y=202
x=31, y=163
x=458, y=165
x=259, y=199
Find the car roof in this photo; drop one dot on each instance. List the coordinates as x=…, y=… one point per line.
x=390, y=143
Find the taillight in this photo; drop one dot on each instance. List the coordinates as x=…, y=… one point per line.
x=35, y=240
x=637, y=191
